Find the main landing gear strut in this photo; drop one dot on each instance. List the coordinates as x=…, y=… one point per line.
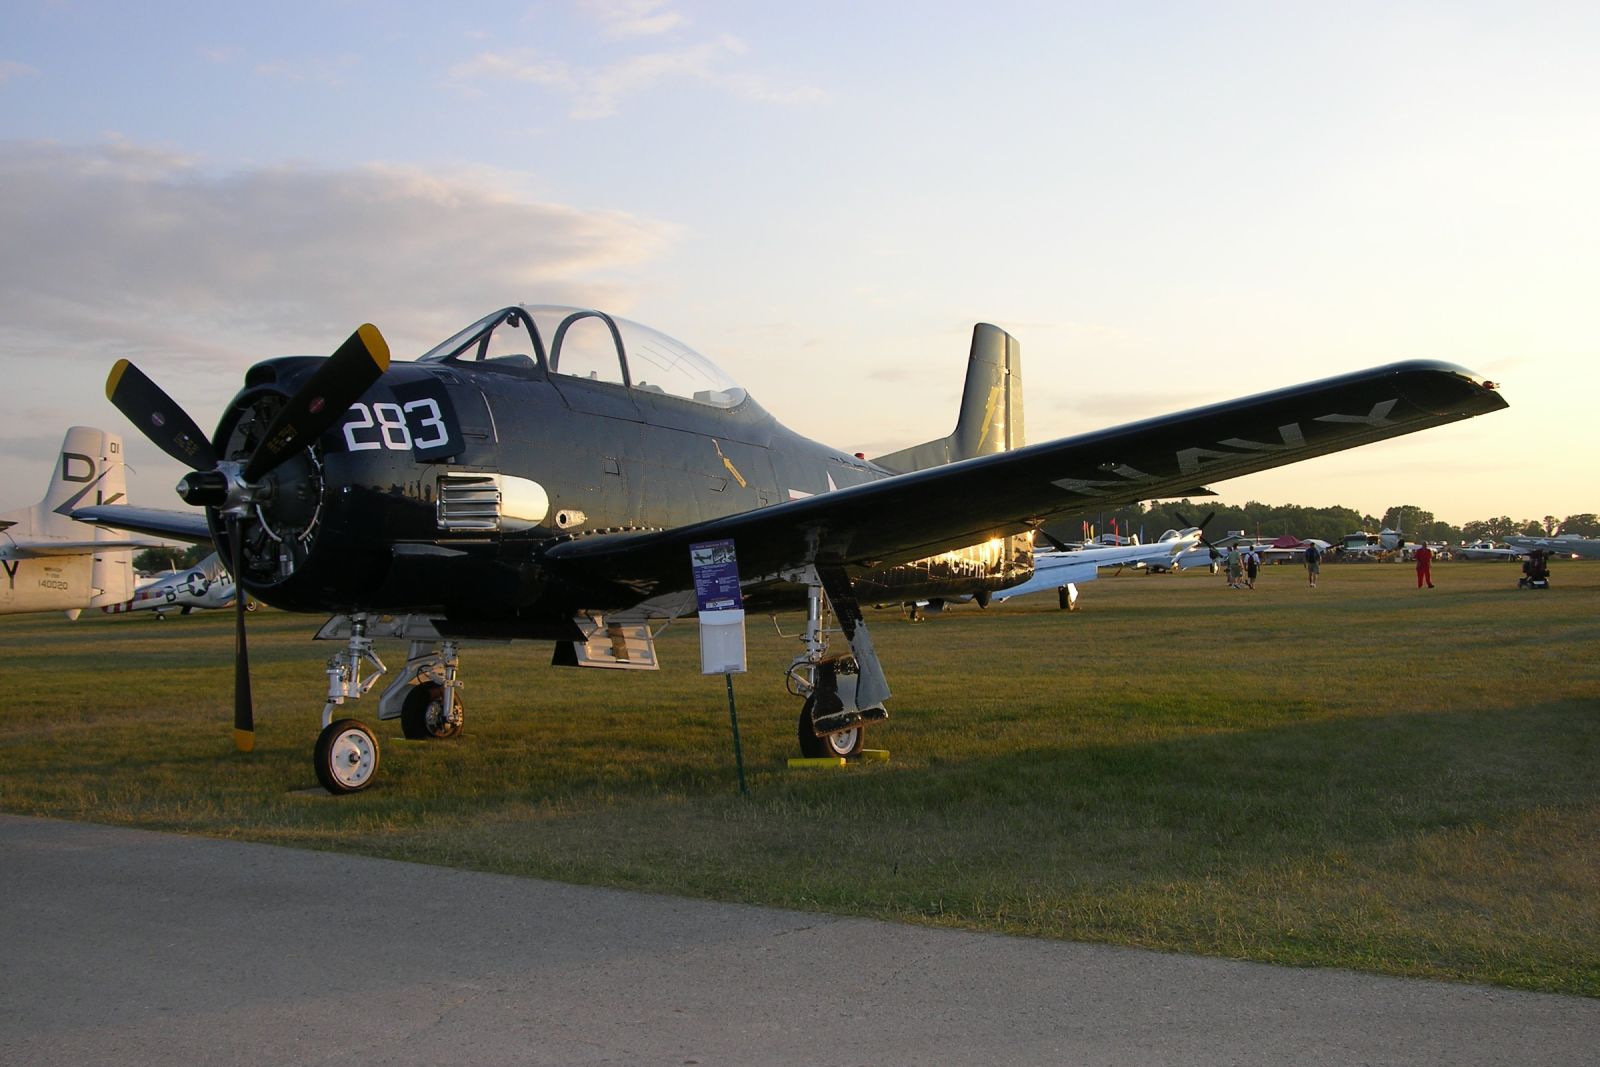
x=843, y=693
x=425, y=696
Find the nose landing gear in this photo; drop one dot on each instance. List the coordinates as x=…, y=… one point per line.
x=425, y=696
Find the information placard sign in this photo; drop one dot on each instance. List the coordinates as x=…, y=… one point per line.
x=721, y=607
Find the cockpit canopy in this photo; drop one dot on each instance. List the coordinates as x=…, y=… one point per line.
x=581, y=343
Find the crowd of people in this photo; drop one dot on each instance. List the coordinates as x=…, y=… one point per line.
x=1242, y=566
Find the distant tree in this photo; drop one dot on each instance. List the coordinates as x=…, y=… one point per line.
x=167, y=557
x=1491, y=529
x=1584, y=525
x=1254, y=518
x=160, y=558
x=1327, y=524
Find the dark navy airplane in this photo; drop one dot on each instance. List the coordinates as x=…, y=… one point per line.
x=542, y=474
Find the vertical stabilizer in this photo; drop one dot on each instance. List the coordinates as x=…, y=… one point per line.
x=991, y=407
x=89, y=470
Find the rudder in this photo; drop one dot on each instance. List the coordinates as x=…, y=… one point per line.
x=89, y=470
x=991, y=407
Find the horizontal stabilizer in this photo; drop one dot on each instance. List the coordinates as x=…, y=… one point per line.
x=157, y=522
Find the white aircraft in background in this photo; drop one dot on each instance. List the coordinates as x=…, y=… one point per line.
x=1372, y=546
x=1065, y=566
x=55, y=563
x=207, y=584
x=1288, y=549
x=1486, y=550
x=1559, y=545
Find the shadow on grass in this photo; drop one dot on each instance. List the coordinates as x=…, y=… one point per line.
x=1455, y=845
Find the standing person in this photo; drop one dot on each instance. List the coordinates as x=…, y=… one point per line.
x=1252, y=566
x=1313, y=563
x=1424, y=558
x=1235, y=566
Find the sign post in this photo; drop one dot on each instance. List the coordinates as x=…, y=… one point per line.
x=721, y=609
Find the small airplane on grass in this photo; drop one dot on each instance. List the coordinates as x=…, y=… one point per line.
x=1064, y=567
x=1487, y=550
x=543, y=473
x=1558, y=546
x=205, y=585
x=51, y=561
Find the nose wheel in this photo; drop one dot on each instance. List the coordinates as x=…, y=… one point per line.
x=346, y=757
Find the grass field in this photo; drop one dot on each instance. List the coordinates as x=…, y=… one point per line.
x=1366, y=775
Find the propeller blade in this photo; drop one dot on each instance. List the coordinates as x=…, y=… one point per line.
x=244, y=725
x=1055, y=542
x=1201, y=537
x=322, y=401
x=159, y=417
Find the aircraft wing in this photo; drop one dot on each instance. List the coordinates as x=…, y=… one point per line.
x=1052, y=570
x=1075, y=573
x=158, y=522
x=920, y=514
x=42, y=548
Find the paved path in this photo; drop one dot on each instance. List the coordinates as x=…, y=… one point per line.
x=125, y=947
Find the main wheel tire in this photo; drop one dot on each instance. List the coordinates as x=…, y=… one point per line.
x=423, y=716
x=346, y=757
x=846, y=743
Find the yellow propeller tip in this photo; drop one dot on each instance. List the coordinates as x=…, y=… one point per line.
x=377, y=347
x=115, y=377
x=244, y=740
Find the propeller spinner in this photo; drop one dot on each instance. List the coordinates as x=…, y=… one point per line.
x=229, y=488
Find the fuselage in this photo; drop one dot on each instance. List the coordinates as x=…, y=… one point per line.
x=390, y=515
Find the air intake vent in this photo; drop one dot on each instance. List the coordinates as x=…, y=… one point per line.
x=469, y=502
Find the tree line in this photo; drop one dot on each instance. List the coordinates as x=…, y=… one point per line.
x=165, y=558
x=1326, y=524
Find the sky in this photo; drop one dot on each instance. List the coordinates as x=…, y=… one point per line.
x=1168, y=204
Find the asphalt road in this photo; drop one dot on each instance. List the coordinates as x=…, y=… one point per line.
x=126, y=947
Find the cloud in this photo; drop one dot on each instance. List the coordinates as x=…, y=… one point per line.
x=328, y=72
x=131, y=250
x=633, y=18
x=599, y=91
x=10, y=69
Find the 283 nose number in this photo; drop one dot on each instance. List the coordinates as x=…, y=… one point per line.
x=417, y=424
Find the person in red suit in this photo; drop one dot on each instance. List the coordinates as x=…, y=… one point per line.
x=1424, y=558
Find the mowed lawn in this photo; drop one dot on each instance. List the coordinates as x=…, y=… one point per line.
x=1366, y=775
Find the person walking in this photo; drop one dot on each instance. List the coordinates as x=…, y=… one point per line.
x=1235, y=567
x=1313, y=563
x=1252, y=566
x=1424, y=557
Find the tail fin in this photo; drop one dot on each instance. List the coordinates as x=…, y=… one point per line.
x=991, y=407
x=89, y=470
